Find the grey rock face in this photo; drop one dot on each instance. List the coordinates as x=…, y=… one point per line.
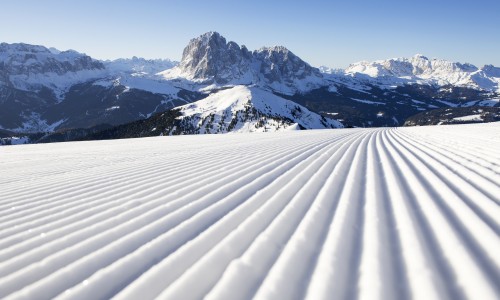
x=212, y=59
x=278, y=64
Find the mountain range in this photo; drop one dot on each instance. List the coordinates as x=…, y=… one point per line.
x=220, y=86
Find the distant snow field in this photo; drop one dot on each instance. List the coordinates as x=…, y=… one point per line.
x=323, y=214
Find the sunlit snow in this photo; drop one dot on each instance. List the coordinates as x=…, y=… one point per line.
x=387, y=213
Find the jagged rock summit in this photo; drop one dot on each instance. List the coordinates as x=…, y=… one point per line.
x=210, y=59
x=280, y=65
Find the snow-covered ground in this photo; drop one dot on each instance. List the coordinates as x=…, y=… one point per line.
x=476, y=117
x=236, y=104
x=324, y=214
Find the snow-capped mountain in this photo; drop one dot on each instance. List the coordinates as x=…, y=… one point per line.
x=31, y=68
x=285, y=72
x=44, y=89
x=250, y=109
x=139, y=73
x=21, y=59
x=422, y=70
x=210, y=60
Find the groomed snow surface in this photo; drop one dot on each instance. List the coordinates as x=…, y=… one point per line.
x=325, y=214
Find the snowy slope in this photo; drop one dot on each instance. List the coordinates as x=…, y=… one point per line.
x=250, y=109
x=327, y=214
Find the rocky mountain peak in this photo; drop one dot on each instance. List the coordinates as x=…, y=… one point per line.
x=210, y=58
x=278, y=64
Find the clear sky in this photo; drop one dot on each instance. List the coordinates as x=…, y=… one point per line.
x=334, y=33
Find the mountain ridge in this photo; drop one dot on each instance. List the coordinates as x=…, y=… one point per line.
x=67, y=89
x=210, y=59
x=431, y=71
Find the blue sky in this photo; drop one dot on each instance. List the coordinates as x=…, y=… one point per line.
x=332, y=33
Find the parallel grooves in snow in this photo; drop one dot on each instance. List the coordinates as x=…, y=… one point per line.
x=354, y=213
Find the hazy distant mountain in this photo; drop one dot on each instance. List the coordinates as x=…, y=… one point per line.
x=421, y=70
x=139, y=66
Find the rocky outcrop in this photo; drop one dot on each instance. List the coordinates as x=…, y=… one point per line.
x=210, y=59
x=278, y=64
